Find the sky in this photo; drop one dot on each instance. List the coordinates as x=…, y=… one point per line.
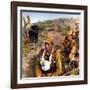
x=42, y=16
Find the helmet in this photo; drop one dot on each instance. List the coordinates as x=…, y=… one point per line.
x=69, y=32
x=49, y=40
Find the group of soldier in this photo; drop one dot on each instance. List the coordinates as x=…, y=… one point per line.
x=58, y=62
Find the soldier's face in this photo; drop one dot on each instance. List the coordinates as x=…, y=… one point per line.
x=48, y=46
x=70, y=37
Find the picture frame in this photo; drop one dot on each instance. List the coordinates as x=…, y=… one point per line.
x=44, y=11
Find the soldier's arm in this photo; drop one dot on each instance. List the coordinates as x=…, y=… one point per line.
x=73, y=50
x=58, y=64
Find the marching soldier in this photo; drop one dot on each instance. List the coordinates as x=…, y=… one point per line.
x=69, y=52
x=48, y=60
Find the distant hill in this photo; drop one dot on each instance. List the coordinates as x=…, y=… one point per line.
x=60, y=24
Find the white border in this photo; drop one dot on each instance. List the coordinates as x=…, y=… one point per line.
x=51, y=79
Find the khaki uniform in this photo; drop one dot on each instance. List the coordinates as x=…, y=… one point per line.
x=73, y=51
x=55, y=67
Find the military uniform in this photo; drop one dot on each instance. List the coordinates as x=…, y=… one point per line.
x=69, y=52
x=53, y=57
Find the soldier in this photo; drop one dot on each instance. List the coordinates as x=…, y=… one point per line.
x=69, y=52
x=68, y=42
x=26, y=25
x=48, y=60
